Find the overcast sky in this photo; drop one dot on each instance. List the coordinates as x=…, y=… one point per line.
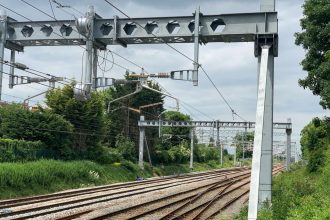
x=232, y=67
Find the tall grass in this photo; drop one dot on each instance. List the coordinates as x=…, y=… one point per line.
x=46, y=176
x=298, y=195
x=21, y=179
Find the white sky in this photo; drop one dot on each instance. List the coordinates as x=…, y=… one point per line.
x=232, y=67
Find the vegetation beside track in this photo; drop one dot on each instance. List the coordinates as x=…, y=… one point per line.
x=47, y=176
x=303, y=192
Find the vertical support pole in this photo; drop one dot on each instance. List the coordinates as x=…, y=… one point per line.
x=196, y=48
x=235, y=156
x=3, y=34
x=95, y=58
x=288, y=146
x=89, y=52
x=244, y=139
x=213, y=136
x=221, y=154
x=218, y=141
x=191, y=148
x=148, y=152
x=12, y=69
x=242, y=142
x=141, y=143
x=261, y=173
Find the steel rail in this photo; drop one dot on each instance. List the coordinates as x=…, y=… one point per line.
x=143, y=205
x=28, y=200
x=116, y=195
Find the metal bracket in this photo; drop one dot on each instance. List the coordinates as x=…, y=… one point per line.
x=116, y=30
x=15, y=80
x=185, y=75
x=262, y=40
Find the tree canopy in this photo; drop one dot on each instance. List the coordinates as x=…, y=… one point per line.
x=245, y=138
x=122, y=118
x=85, y=116
x=315, y=139
x=51, y=129
x=315, y=39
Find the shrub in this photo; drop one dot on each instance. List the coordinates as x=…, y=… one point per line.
x=179, y=154
x=126, y=148
x=108, y=156
x=20, y=150
x=51, y=129
x=315, y=138
x=203, y=153
x=129, y=166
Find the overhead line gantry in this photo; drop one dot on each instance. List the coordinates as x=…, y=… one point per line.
x=96, y=33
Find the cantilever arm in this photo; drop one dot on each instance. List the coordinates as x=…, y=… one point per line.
x=154, y=90
x=123, y=97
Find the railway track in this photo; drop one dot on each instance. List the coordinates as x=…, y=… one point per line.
x=191, y=196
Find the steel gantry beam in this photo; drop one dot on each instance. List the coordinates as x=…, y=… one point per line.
x=96, y=33
x=210, y=124
x=242, y=27
x=204, y=124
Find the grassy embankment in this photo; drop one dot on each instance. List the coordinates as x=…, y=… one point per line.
x=46, y=176
x=299, y=195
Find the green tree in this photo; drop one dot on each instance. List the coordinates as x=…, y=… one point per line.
x=85, y=116
x=315, y=139
x=315, y=40
x=123, y=120
x=243, y=137
x=51, y=129
x=177, y=134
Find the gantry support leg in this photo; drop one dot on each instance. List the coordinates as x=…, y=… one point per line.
x=12, y=69
x=95, y=60
x=261, y=173
x=196, y=48
x=191, y=148
x=3, y=34
x=218, y=142
x=141, y=143
x=288, y=146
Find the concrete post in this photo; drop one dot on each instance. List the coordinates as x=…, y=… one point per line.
x=261, y=172
x=218, y=142
x=12, y=69
x=191, y=148
x=288, y=146
x=242, y=138
x=95, y=58
x=3, y=34
x=141, y=143
x=235, y=156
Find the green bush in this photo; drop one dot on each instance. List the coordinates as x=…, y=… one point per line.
x=315, y=139
x=108, y=156
x=126, y=148
x=176, y=154
x=129, y=166
x=179, y=154
x=51, y=129
x=20, y=150
x=204, y=153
